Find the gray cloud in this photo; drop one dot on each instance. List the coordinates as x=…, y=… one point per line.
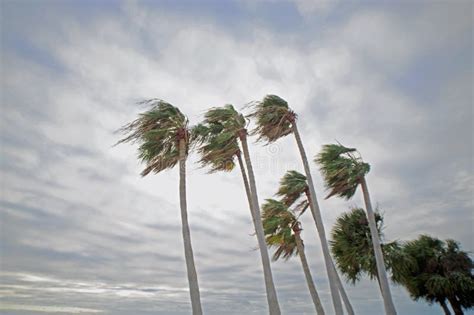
x=81, y=229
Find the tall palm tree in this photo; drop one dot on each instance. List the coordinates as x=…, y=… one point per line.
x=274, y=120
x=343, y=173
x=442, y=272
x=218, y=138
x=351, y=245
x=283, y=231
x=294, y=189
x=163, y=137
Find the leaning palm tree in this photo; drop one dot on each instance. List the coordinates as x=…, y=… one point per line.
x=294, y=189
x=351, y=245
x=274, y=120
x=441, y=272
x=218, y=138
x=283, y=231
x=343, y=172
x=163, y=137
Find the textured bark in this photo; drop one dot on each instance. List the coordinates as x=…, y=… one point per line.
x=382, y=274
x=455, y=305
x=315, y=211
x=307, y=274
x=444, y=307
x=188, y=249
x=272, y=298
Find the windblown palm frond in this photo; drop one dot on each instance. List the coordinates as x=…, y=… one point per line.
x=157, y=131
x=293, y=186
x=227, y=116
x=216, y=147
x=351, y=245
x=441, y=271
x=278, y=223
x=342, y=171
x=273, y=118
x=217, y=136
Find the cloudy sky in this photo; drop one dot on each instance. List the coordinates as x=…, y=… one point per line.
x=81, y=232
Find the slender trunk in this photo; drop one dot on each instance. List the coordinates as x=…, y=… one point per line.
x=382, y=274
x=188, y=249
x=455, y=305
x=272, y=298
x=315, y=211
x=246, y=185
x=445, y=307
x=307, y=274
x=378, y=281
x=342, y=291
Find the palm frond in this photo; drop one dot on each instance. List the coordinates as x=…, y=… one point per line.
x=278, y=223
x=216, y=138
x=273, y=118
x=292, y=187
x=157, y=131
x=341, y=170
x=351, y=244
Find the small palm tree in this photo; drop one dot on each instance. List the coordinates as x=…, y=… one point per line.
x=343, y=173
x=218, y=139
x=274, y=120
x=283, y=231
x=352, y=247
x=163, y=137
x=441, y=272
x=294, y=189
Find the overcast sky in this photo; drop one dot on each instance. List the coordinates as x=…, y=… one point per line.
x=82, y=232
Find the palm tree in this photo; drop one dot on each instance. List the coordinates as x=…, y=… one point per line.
x=282, y=230
x=274, y=120
x=442, y=272
x=163, y=137
x=294, y=189
x=352, y=247
x=343, y=173
x=218, y=138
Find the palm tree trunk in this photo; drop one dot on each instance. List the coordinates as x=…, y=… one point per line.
x=272, y=298
x=455, y=305
x=340, y=286
x=246, y=185
x=445, y=307
x=307, y=274
x=315, y=211
x=342, y=291
x=188, y=249
x=382, y=274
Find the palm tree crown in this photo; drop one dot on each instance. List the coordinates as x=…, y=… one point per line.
x=341, y=170
x=278, y=224
x=293, y=186
x=157, y=131
x=216, y=148
x=217, y=138
x=273, y=118
x=442, y=271
x=352, y=247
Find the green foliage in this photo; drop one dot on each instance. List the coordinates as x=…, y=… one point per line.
x=351, y=245
x=216, y=138
x=440, y=271
x=342, y=171
x=278, y=223
x=273, y=118
x=157, y=131
x=292, y=187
